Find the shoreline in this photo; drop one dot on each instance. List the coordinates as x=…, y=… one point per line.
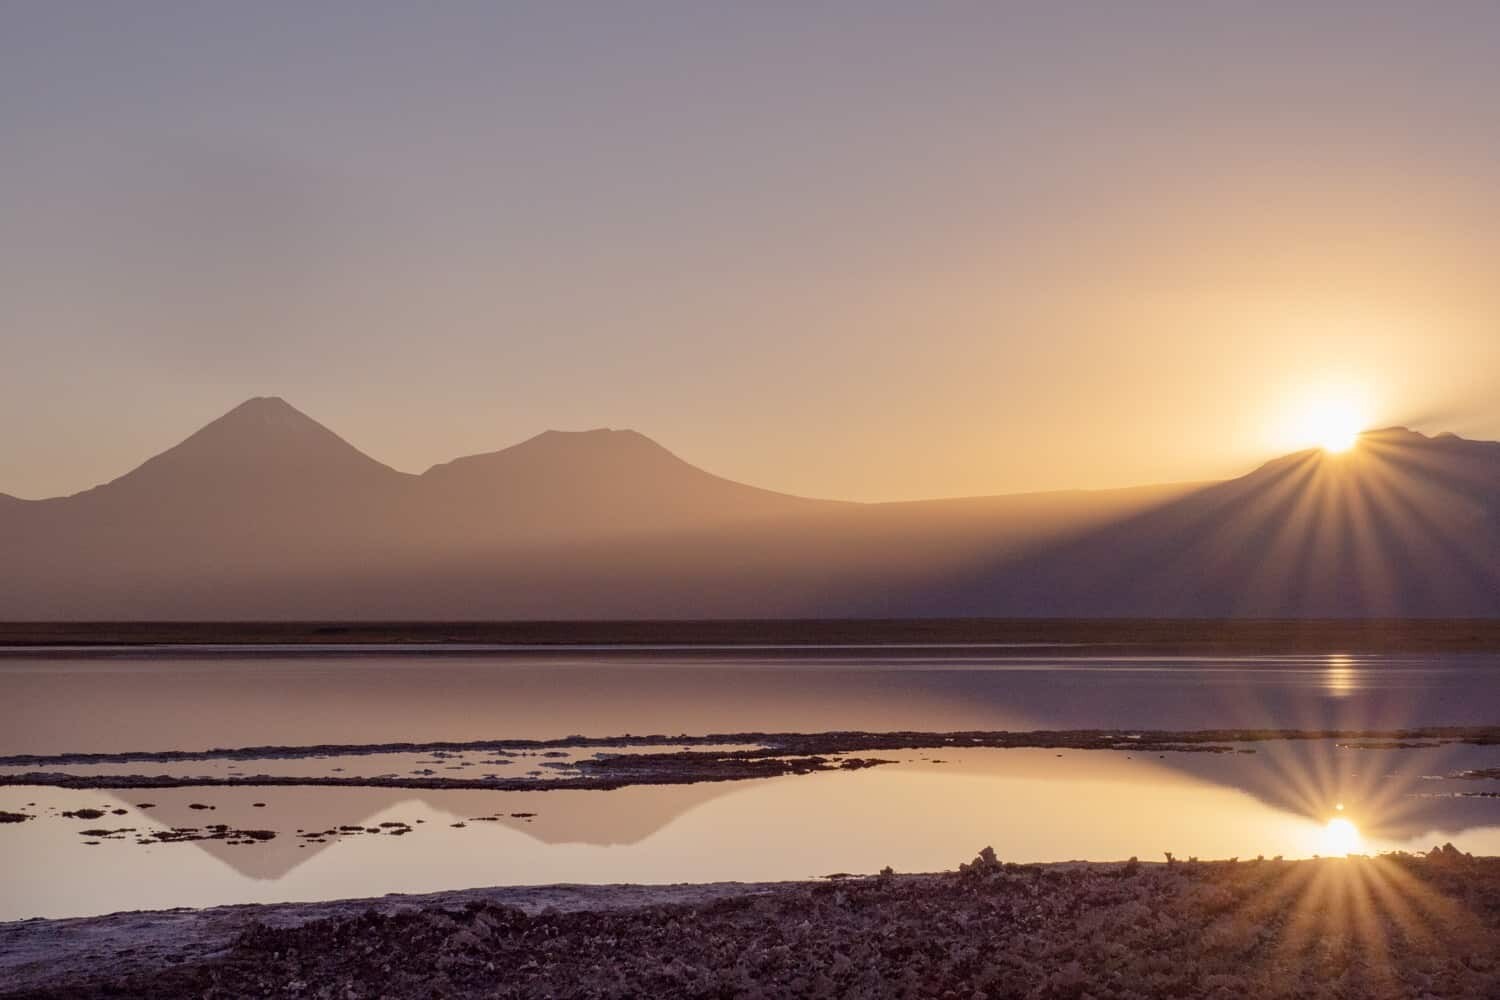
x=778, y=754
x=1185, y=928
x=798, y=637
x=39, y=952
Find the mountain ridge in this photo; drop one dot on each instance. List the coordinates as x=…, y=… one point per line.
x=265, y=513
x=275, y=411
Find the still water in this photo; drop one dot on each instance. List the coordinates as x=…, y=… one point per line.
x=927, y=811
x=176, y=701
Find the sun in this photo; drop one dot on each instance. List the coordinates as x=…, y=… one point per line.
x=1332, y=422
x=1339, y=838
x=1338, y=436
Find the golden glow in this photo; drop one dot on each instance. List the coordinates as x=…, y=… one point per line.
x=1321, y=413
x=1339, y=678
x=1340, y=837
x=1332, y=423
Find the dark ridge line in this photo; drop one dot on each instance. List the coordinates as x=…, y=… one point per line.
x=738, y=651
x=1265, y=635
x=774, y=744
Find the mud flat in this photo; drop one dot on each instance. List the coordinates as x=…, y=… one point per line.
x=1393, y=926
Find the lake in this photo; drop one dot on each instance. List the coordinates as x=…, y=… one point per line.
x=927, y=810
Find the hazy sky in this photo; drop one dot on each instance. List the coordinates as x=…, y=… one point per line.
x=868, y=250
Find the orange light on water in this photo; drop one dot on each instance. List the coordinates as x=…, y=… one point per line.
x=1339, y=677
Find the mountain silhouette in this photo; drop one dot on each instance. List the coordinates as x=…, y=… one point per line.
x=588, y=483
x=264, y=442
x=1402, y=526
x=265, y=513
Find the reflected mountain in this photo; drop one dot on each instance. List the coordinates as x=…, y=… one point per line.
x=1391, y=792
x=602, y=819
x=286, y=810
x=621, y=817
x=1386, y=791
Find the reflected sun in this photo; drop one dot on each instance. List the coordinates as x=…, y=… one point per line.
x=1339, y=678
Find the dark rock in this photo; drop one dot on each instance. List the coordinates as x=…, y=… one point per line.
x=985, y=864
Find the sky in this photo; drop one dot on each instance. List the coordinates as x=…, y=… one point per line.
x=866, y=250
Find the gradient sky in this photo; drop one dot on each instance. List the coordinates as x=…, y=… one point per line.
x=866, y=250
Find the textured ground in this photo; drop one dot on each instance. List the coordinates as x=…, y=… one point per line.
x=69, y=955
x=1390, y=927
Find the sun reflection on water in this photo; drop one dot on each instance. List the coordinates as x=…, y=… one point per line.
x=1340, y=679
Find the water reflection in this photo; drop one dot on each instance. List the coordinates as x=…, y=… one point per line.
x=927, y=812
x=184, y=702
x=1340, y=679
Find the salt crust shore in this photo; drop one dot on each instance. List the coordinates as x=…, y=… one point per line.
x=778, y=754
x=1394, y=926
x=58, y=955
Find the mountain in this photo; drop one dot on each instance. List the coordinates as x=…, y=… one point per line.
x=1402, y=526
x=589, y=483
x=262, y=468
x=258, y=491
x=262, y=445
x=265, y=513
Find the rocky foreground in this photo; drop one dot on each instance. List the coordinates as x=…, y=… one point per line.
x=1394, y=926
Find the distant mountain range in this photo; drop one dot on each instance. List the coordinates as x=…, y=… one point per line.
x=266, y=514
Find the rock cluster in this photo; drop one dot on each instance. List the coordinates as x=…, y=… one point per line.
x=1449, y=856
